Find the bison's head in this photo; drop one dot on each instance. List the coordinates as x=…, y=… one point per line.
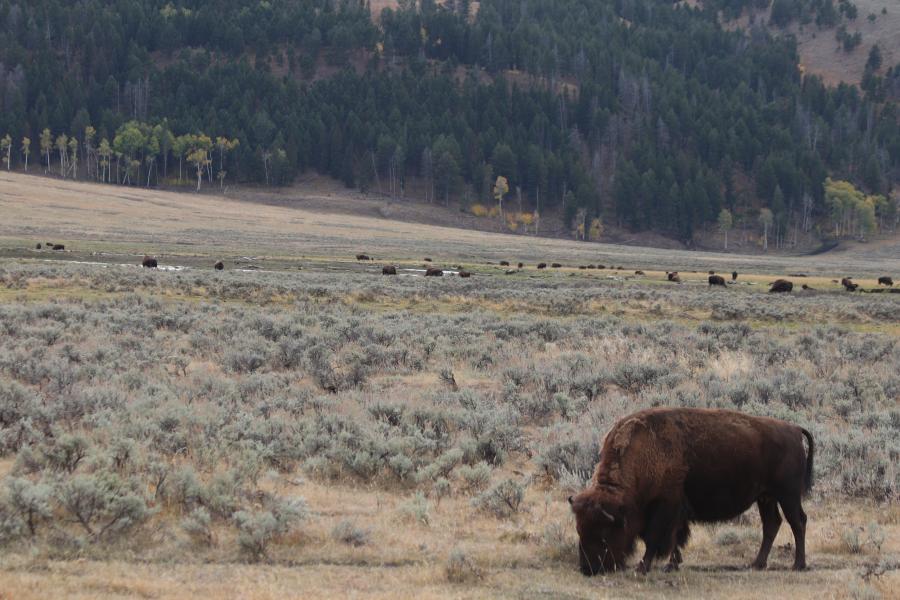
x=604, y=541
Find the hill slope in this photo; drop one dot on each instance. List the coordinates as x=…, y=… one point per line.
x=103, y=218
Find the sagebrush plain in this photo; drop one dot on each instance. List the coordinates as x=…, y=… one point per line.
x=299, y=426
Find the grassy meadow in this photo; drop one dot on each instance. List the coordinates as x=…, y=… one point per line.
x=300, y=426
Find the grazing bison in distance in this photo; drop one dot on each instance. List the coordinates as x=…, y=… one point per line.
x=219, y=266
x=504, y=263
x=780, y=286
x=638, y=272
x=663, y=468
x=58, y=246
x=673, y=277
x=464, y=274
x=711, y=272
x=556, y=265
x=388, y=270
x=149, y=263
x=434, y=272
x=521, y=265
x=716, y=280
x=38, y=246
x=734, y=275
x=363, y=257
x=542, y=265
x=426, y=259
x=881, y=280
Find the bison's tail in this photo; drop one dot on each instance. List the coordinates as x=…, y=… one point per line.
x=808, y=480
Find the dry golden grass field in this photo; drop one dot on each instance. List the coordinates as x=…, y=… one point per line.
x=394, y=407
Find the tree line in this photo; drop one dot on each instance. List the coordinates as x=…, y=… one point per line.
x=644, y=114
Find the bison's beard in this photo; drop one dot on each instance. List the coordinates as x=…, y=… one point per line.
x=606, y=556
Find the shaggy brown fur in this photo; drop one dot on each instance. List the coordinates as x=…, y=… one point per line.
x=464, y=274
x=59, y=246
x=673, y=277
x=734, y=275
x=881, y=280
x=542, y=265
x=362, y=257
x=434, y=272
x=149, y=262
x=388, y=270
x=716, y=280
x=781, y=285
x=662, y=468
x=219, y=266
x=38, y=247
x=504, y=263
x=556, y=265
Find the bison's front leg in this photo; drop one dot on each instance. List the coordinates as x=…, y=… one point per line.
x=659, y=535
x=674, y=561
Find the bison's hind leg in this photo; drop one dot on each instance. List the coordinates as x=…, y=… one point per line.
x=796, y=518
x=771, y=522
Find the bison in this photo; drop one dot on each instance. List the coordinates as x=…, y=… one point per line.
x=426, y=259
x=638, y=272
x=881, y=280
x=673, y=277
x=781, y=286
x=734, y=275
x=58, y=246
x=556, y=265
x=663, y=468
x=388, y=270
x=434, y=272
x=219, y=266
x=716, y=280
x=846, y=282
x=711, y=272
x=149, y=262
x=851, y=287
x=363, y=257
x=542, y=265
x=521, y=265
x=807, y=287
x=504, y=263
x=38, y=246
x=464, y=274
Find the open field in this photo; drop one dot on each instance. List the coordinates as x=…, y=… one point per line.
x=329, y=432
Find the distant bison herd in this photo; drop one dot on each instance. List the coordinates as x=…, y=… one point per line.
x=777, y=286
x=662, y=469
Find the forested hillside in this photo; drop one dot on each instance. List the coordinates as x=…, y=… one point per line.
x=642, y=114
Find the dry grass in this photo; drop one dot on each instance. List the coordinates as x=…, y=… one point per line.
x=407, y=560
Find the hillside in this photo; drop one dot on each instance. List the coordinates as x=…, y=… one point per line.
x=307, y=225
x=633, y=117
